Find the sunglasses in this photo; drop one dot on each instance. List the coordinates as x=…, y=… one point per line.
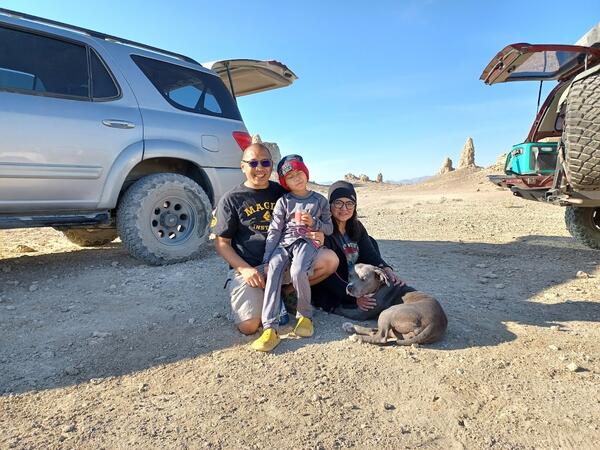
x=339, y=204
x=254, y=163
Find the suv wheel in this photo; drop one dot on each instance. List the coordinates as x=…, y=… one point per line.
x=90, y=237
x=584, y=225
x=581, y=134
x=164, y=218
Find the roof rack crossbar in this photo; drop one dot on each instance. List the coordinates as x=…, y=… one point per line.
x=96, y=34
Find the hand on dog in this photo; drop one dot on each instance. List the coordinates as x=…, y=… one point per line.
x=366, y=303
x=393, y=277
x=252, y=277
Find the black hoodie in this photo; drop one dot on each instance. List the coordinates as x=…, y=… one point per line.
x=331, y=292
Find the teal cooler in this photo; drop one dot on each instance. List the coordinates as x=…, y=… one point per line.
x=532, y=158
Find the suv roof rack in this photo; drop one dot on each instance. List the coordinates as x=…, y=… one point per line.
x=96, y=34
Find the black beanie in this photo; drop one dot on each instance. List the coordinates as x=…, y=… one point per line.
x=341, y=189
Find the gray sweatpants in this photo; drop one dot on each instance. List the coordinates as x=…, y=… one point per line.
x=302, y=255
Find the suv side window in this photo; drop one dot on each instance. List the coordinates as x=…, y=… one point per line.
x=103, y=85
x=188, y=89
x=40, y=64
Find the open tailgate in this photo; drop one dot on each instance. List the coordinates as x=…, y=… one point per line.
x=249, y=76
x=524, y=62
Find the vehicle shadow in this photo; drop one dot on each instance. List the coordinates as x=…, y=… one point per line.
x=97, y=313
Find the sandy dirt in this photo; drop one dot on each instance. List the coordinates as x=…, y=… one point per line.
x=100, y=351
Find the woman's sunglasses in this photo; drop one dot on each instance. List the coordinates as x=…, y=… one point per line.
x=339, y=204
x=254, y=163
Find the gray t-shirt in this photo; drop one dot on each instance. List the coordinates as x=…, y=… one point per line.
x=284, y=230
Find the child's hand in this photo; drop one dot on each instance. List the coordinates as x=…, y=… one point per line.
x=307, y=219
x=316, y=236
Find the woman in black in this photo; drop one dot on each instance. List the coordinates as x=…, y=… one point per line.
x=352, y=245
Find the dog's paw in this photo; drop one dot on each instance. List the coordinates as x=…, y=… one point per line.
x=354, y=338
x=348, y=327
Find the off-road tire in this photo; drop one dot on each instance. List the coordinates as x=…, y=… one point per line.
x=584, y=225
x=581, y=134
x=90, y=237
x=139, y=225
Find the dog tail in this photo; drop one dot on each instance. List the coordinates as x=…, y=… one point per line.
x=426, y=336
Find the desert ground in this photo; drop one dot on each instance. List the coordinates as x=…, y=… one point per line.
x=100, y=351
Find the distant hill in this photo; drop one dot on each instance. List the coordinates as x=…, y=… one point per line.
x=406, y=181
x=409, y=180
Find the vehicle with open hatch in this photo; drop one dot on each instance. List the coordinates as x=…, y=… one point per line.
x=105, y=137
x=559, y=161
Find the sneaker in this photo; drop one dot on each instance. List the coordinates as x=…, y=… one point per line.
x=267, y=341
x=284, y=317
x=304, y=327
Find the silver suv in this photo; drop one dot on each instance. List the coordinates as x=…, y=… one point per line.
x=103, y=136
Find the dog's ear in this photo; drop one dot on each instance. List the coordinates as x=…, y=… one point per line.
x=383, y=276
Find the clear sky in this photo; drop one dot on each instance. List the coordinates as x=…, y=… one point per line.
x=384, y=86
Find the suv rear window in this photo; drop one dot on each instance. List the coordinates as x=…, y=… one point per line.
x=188, y=89
x=547, y=64
x=35, y=64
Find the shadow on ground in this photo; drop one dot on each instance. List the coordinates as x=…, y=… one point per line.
x=82, y=328
x=484, y=286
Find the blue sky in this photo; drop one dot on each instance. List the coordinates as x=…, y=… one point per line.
x=384, y=86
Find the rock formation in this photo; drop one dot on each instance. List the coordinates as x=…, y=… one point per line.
x=500, y=163
x=446, y=167
x=380, y=177
x=467, y=156
x=275, y=153
x=350, y=177
x=363, y=177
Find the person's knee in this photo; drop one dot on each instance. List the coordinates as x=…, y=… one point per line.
x=249, y=326
x=326, y=262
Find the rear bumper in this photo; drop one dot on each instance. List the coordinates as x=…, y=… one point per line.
x=539, y=188
x=527, y=187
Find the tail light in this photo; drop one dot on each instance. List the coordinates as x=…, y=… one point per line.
x=242, y=138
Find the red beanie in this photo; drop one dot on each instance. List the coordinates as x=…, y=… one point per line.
x=287, y=164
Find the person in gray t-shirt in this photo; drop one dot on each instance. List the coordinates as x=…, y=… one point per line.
x=296, y=213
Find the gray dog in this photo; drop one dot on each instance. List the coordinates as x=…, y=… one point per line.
x=412, y=316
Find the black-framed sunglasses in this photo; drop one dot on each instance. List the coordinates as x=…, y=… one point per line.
x=254, y=163
x=339, y=204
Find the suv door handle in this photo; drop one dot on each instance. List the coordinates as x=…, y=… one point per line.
x=118, y=123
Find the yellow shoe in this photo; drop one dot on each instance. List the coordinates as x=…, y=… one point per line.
x=304, y=327
x=267, y=341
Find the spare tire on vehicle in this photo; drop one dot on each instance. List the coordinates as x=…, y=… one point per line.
x=581, y=134
x=584, y=225
x=164, y=218
x=90, y=237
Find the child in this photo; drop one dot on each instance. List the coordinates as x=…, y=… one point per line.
x=297, y=212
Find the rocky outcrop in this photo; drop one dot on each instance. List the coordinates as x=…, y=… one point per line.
x=275, y=153
x=380, y=178
x=500, y=163
x=467, y=156
x=446, y=167
x=350, y=177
